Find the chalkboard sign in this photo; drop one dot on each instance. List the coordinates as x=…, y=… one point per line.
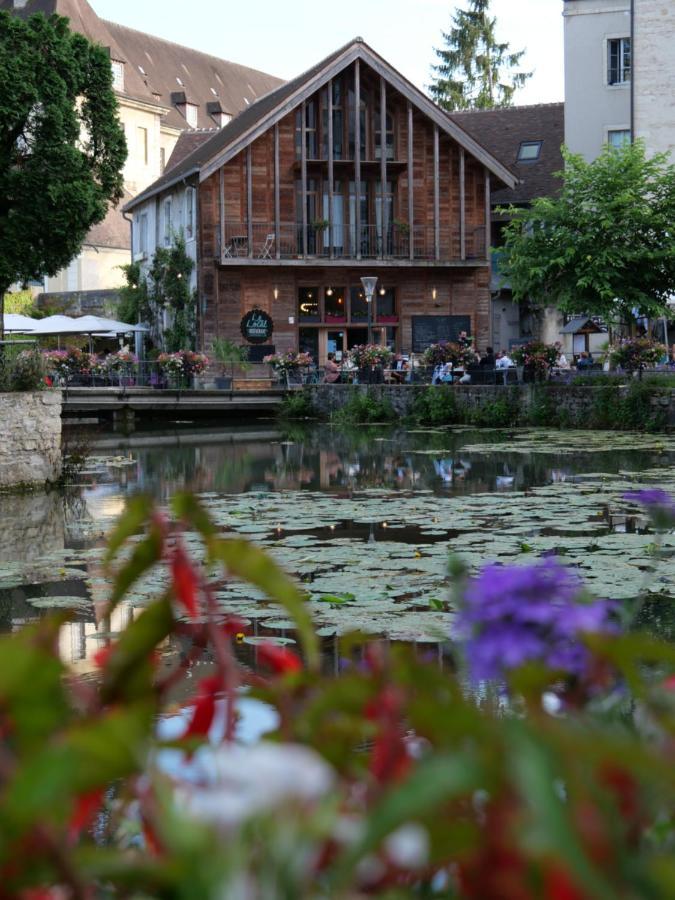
x=428, y=330
x=257, y=326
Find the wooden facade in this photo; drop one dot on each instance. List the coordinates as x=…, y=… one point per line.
x=324, y=196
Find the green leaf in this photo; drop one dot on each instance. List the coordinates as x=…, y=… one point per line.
x=144, y=556
x=186, y=506
x=129, y=670
x=247, y=562
x=137, y=512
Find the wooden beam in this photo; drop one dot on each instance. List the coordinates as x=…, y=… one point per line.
x=249, y=198
x=488, y=216
x=303, y=175
x=331, y=173
x=383, y=164
x=394, y=79
x=411, y=175
x=357, y=153
x=437, y=175
x=277, y=195
x=221, y=213
x=462, y=204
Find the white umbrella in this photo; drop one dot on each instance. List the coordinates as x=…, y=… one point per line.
x=54, y=325
x=16, y=324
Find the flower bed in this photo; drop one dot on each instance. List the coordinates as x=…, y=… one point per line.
x=536, y=356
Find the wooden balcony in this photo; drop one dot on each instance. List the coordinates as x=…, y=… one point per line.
x=263, y=244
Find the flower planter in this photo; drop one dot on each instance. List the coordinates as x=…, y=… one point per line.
x=223, y=382
x=336, y=320
x=387, y=320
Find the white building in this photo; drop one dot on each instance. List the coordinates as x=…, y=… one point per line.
x=619, y=71
x=164, y=90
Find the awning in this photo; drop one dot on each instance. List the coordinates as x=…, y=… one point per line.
x=16, y=324
x=91, y=325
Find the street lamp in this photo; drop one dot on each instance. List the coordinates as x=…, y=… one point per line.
x=369, y=283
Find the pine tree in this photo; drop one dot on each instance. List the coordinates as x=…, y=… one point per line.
x=475, y=71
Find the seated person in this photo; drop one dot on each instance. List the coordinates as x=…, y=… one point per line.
x=445, y=375
x=399, y=369
x=503, y=361
x=487, y=360
x=332, y=370
x=584, y=361
x=562, y=363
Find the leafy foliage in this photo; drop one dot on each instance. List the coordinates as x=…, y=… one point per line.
x=603, y=246
x=62, y=147
x=635, y=354
x=22, y=371
x=164, y=289
x=297, y=405
x=388, y=779
x=364, y=408
x=475, y=70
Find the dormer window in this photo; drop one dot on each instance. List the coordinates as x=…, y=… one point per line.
x=529, y=151
x=191, y=114
x=118, y=74
x=217, y=113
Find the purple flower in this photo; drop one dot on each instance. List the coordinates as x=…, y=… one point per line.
x=659, y=504
x=512, y=615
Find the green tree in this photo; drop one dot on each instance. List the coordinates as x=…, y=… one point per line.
x=62, y=147
x=475, y=70
x=165, y=290
x=604, y=246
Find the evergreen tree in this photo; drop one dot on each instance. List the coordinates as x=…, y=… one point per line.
x=62, y=147
x=475, y=71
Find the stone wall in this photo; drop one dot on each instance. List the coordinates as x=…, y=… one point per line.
x=30, y=438
x=577, y=402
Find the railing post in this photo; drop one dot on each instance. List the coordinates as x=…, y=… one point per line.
x=437, y=224
x=462, y=203
x=383, y=165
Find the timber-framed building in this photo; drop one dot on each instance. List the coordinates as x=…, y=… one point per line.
x=345, y=171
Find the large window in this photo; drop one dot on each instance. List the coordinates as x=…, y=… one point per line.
x=389, y=136
x=118, y=75
x=359, y=305
x=386, y=302
x=143, y=144
x=311, y=131
x=334, y=303
x=618, y=137
x=618, y=60
x=308, y=304
x=167, y=222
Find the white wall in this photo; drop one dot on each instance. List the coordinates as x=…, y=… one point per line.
x=592, y=106
x=655, y=74
x=159, y=228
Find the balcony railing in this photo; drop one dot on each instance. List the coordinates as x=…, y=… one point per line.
x=345, y=242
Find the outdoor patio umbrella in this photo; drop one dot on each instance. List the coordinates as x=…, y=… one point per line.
x=89, y=325
x=16, y=324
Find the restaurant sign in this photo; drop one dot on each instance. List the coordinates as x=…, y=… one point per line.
x=257, y=326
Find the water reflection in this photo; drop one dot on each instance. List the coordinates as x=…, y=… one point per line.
x=55, y=540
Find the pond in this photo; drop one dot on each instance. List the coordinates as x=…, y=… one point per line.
x=365, y=518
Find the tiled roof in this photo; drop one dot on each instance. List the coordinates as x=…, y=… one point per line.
x=502, y=131
x=152, y=65
x=187, y=143
x=204, y=79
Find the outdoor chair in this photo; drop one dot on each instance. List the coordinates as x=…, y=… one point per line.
x=266, y=249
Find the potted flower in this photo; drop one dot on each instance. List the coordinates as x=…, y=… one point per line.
x=370, y=360
x=122, y=365
x=287, y=365
x=536, y=358
x=228, y=354
x=635, y=354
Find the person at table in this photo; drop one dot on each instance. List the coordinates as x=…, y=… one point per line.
x=332, y=370
x=585, y=360
x=562, y=362
x=399, y=370
x=487, y=360
x=464, y=340
x=503, y=361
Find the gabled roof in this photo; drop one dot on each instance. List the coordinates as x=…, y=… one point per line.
x=261, y=116
x=502, y=131
x=153, y=65
x=187, y=143
x=579, y=323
